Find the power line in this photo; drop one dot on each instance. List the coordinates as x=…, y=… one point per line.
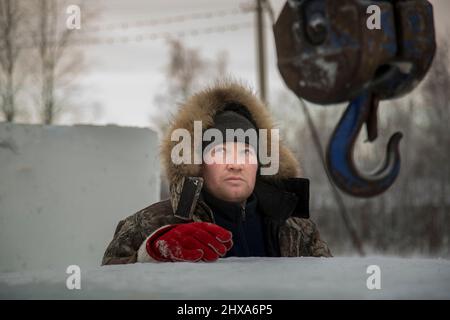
x=86, y=41
x=163, y=35
x=164, y=21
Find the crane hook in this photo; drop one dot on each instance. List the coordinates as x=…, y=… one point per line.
x=340, y=160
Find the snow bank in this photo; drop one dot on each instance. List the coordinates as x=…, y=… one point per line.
x=63, y=189
x=242, y=278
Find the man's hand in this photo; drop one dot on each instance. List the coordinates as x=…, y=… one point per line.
x=189, y=242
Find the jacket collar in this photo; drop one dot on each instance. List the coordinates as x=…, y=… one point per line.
x=277, y=200
x=284, y=198
x=230, y=211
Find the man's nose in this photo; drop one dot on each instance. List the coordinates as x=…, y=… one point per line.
x=235, y=165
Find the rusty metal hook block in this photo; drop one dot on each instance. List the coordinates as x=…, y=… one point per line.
x=327, y=54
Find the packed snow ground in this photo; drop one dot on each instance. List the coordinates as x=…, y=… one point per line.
x=241, y=278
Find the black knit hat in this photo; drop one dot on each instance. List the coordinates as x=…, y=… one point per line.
x=234, y=116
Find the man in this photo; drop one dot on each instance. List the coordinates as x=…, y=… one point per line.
x=222, y=208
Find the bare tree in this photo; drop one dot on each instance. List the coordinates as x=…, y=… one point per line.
x=60, y=61
x=436, y=112
x=186, y=71
x=12, y=14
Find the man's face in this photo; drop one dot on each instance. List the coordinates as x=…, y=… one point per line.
x=230, y=171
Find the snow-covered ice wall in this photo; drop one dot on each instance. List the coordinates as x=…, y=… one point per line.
x=242, y=278
x=63, y=189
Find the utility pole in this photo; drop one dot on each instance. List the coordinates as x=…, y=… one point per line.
x=261, y=50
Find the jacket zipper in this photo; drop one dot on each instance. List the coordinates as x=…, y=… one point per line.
x=243, y=212
x=242, y=233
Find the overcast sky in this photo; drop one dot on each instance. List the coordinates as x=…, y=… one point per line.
x=123, y=78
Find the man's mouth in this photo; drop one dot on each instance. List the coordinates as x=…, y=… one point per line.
x=234, y=178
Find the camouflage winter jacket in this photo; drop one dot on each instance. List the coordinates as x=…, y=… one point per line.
x=283, y=198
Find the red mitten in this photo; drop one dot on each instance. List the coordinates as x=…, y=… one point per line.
x=189, y=242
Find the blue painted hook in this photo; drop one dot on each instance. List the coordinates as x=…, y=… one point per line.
x=340, y=162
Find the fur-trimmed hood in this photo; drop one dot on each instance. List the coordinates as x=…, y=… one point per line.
x=203, y=106
x=282, y=199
